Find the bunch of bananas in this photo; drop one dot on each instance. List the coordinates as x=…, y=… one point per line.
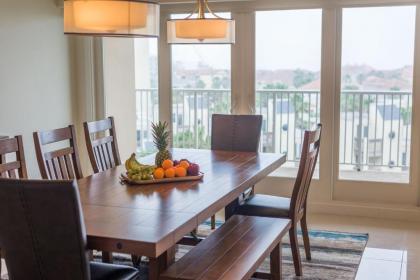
x=137, y=171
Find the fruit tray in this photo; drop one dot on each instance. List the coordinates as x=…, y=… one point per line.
x=127, y=181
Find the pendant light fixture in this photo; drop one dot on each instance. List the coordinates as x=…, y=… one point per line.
x=199, y=29
x=113, y=18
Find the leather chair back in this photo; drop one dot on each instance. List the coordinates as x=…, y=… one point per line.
x=236, y=132
x=42, y=231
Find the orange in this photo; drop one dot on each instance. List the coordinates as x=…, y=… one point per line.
x=170, y=173
x=166, y=164
x=180, y=171
x=184, y=164
x=159, y=173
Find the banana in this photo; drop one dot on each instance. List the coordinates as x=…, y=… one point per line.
x=137, y=171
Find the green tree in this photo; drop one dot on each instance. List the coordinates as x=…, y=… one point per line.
x=216, y=83
x=200, y=84
x=276, y=86
x=302, y=78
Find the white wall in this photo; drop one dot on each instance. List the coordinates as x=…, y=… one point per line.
x=119, y=89
x=35, y=80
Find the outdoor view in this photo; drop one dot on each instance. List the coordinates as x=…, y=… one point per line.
x=376, y=102
x=201, y=79
x=288, y=79
x=377, y=74
x=147, y=99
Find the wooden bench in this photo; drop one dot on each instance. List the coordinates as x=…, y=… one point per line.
x=234, y=251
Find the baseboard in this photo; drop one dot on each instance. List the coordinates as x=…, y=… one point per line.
x=371, y=210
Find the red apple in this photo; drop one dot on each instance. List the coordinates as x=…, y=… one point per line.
x=194, y=169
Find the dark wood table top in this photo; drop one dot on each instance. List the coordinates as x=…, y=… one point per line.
x=148, y=220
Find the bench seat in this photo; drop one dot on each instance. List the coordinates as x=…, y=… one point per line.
x=234, y=251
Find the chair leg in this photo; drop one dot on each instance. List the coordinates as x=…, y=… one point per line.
x=135, y=260
x=275, y=263
x=213, y=222
x=305, y=235
x=294, y=245
x=106, y=257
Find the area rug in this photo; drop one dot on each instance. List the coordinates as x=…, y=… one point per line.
x=335, y=255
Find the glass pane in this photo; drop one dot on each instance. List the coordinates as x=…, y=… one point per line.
x=201, y=87
x=376, y=96
x=147, y=99
x=288, y=79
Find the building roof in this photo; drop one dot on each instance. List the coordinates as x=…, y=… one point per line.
x=285, y=107
x=389, y=112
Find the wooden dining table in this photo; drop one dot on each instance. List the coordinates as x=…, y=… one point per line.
x=149, y=220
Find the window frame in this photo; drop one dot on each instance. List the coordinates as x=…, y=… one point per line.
x=328, y=187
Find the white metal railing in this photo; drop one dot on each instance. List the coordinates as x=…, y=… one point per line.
x=375, y=126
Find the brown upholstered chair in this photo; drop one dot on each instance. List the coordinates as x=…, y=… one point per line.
x=58, y=164
x=43, y=233
x=293, y=208
x=240, y=133
x=102, y=146
x=16, y=168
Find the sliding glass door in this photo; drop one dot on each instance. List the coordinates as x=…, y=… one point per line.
x=288, y=79
x=376, y=93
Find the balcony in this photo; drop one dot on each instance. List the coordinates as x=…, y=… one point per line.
x=375, y=127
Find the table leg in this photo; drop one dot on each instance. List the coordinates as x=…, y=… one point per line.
x=106, y=257
x=159, y=264
x=230, y=209
x=275, y=263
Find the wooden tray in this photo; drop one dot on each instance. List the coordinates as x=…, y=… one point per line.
x=127, y=181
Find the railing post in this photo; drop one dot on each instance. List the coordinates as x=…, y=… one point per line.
x=274, y=121
x=359, y=159
x=195, y=120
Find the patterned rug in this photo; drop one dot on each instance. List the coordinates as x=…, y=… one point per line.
x=335, y=255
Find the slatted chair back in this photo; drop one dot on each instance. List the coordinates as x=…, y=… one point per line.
x=102, y=145
x=240, y=133
x=17, y=167
x=43, y=232
x=58, y=164
x=308, y=161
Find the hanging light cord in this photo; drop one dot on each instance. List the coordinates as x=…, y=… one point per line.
x=202, y=6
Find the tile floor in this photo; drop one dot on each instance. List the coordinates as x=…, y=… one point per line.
x=393, y=250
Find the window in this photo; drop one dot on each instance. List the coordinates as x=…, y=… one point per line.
x=376, y=95
x=147, y=100
x=288, y=78
x=201, y=86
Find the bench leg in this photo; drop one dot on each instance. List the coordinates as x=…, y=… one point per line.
x=275, y=263
x=294, y=245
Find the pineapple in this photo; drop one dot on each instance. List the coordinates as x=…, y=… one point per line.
x=161, y=140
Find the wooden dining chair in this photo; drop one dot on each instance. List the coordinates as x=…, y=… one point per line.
x=102, y=145
x=47, y=239
x=239, y=133
x=16, y=168
x=294, y=208
x=62, y=163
